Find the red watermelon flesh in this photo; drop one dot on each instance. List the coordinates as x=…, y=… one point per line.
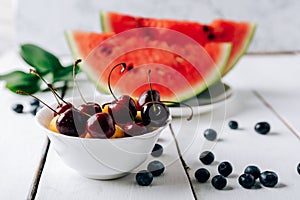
x=177, y=72
x=238, y=33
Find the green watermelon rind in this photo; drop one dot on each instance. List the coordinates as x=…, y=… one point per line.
x=76, y=54
x=213, y=78
x=104, y=23
x=245, y=47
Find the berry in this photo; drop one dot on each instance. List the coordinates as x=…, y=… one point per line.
x=246, y=181
x=34, y=102
x=233, y=125
x=157, y=150
x=156, y=168
x=210, y=134
x=134, y=129
x=225, y=168
x=147, y=97
x=262, y=128
x=18, y=108
x=202, y=175
x=207, y=157
x=268, y=178
x=35, y=110
x=298, y=168
x=219, y=182
x=144, y=178
x=253, y=170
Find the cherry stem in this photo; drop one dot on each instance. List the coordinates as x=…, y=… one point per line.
x=75, y=80
x=26, y=93
x=122, y=70
x=151, y=90
x=50, y=86
x=190, y=107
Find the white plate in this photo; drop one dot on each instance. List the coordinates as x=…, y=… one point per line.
x=208, y=100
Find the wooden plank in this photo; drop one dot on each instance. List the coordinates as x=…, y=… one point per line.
x=21, y=142
x=242, y=147
x=61, y=182
x=275, y=78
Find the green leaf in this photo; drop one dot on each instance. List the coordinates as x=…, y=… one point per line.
x=64, y=74
x=19, y=80
x=42, y=60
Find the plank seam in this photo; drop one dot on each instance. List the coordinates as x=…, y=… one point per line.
x=39, y=171
x=185, y=166
x=288, y=125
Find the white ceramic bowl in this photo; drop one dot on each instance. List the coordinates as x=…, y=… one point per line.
x=99, y=158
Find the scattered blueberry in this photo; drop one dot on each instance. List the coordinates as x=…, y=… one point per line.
x=219, y=182
x=262, y=127
x=233, y=125
x=34, y=102
x=298, y=168
x=210, y=134
x=35, y=110
x=157, y=150
x=202, y=175
x=268, y=178
x=156, y=168
x=18, y=108
x=225, y=168
x=246, y=181
x=144, y=178
x=253, y=170
x=207, y=157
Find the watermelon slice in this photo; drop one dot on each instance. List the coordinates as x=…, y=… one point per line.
x=238, y=33
x=177, y=72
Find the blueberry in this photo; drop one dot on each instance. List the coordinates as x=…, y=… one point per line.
x=18, y=108
x=268, y=178
x=298, y=168
x=253, y=170
x=219, y=182
x=210, y=134
x=246, y=181
x=262, y=127
x=34, y=102
x=207, y=157
x=157, y=150
x=202, y=175
x=35, y=110
x=225, y=168
x=144, y=178
x=156, y=168
x=233, y=125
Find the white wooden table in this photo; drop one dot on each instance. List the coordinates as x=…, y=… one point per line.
x=266, y=87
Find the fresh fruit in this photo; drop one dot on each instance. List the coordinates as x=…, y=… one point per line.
x=134, y=129
x=262, y=128
x=119, y=133
x=52, y=124
x=148, y=96
x=34, y=102
x=268, y=178
x=101, y=125
x=210, y=134
x=170, y=63
x=156, y=168
x=225, y=168
x=219, y=182
x=238, y=33
x=157, y=150
x=207, y=157
x=18, y=108
x=155, y=114
x=233, y=124
x=144, y=178
x=90, y=108
x=298, y=168
x=71, y=122
x=253, y=170
x=246, y=181
x=202, y=175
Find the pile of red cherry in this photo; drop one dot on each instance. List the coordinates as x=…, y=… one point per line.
x=122, y=117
